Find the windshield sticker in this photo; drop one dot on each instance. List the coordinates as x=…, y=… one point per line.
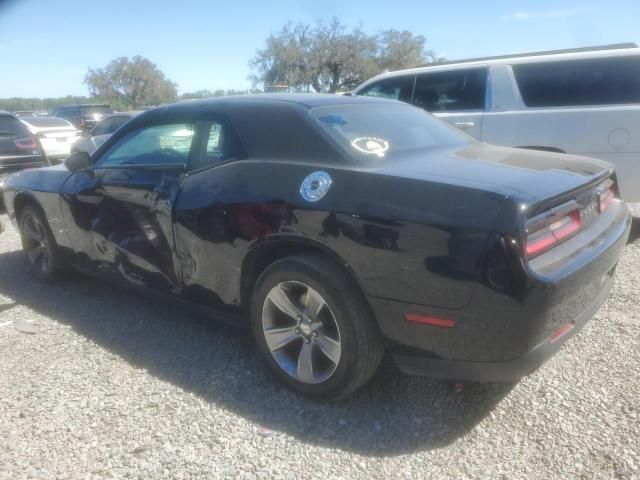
x=334, y=120
x=371, y=145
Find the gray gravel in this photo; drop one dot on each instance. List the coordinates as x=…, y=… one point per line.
x=97, y=382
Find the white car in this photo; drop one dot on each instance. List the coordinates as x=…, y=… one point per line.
x=580, y=101
x=101, y=132
x=55, y=134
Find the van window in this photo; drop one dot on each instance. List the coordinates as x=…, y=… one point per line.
x=396, y=88
x=579, y=82
x=452, y=90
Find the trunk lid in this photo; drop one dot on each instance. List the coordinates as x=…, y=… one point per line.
x=529, y=175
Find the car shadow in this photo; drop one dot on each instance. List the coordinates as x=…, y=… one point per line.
x=394, y=414
x=635, y=230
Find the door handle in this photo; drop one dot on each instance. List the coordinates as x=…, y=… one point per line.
x=464, y=124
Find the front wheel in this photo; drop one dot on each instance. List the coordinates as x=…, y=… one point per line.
x=39, y=246
x=314, y=328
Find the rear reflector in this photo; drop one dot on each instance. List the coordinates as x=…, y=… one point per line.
x=560, y=332
x=429, y=320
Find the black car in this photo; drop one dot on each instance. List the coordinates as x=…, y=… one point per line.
x=83, y=117
x=19, y=149
x=338, y=228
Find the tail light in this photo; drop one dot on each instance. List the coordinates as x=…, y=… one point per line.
x=547, y=235
x=606, y=195
x=545, y=231
x=27, y=143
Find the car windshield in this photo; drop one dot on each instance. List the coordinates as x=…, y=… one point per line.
x=97, y=109
x=45, y=122
x=375, y=131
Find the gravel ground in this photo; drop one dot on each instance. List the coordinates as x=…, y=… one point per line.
x=112, y=385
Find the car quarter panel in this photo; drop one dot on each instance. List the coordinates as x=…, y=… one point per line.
x=404, y=239
x=41, y=185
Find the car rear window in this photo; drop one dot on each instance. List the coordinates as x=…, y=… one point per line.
x=11, y=126
x=376, y=131
x=45, y=122
x=97, y=109
x=603, y=81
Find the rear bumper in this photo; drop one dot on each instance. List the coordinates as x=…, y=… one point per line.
x=505, y=371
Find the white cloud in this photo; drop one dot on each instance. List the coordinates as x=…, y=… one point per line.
x=523, y=15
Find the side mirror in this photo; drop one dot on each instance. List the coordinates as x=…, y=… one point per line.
x=77, y=162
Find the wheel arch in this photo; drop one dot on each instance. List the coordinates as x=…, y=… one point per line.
x=23, y=198
x=269, y=251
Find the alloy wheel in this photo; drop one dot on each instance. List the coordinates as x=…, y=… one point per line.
x=301, y=332
x=36, y=245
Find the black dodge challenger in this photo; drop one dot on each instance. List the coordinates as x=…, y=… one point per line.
x=338, y=228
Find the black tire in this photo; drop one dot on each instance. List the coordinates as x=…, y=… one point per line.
x=39, y=246
x=361, y=347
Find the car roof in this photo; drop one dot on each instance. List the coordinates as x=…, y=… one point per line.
x=604, y=51
x=303, y=100
x=4, y=113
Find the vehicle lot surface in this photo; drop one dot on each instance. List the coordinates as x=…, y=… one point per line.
x=110, y=384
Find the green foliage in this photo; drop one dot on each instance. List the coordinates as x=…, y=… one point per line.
x=330, y=58
x=43, y=104
x=131, y=83
x=199, y=94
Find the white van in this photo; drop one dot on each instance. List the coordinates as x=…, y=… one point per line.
x=583, y=101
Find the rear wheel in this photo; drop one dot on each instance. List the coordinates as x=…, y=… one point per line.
x=39, y=246
x=314, y=328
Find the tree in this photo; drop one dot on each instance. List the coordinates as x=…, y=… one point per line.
x=398, y=50
x=131, y=83
x=330, y=58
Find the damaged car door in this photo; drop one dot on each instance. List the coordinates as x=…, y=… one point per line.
x=123, y=205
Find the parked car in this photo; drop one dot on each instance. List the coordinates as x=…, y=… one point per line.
x=84, y=117
x=101, y=132
x=582, y=101
x=19, y=149
x=338, y=228
x=56, y=135
x=24, y=113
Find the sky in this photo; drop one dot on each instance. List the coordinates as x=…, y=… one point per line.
x=47, y=46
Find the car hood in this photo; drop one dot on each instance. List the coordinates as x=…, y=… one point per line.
x=531, y=175
x=45, y=179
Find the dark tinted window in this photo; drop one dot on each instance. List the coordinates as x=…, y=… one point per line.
x=97, y=109
x=103, y=128
x=397, y=88
x=117, y=122
x=452, y=90
x=377, y=131
x=156, y=145
x=9, y=126
x=221, y=144
x=580, y=82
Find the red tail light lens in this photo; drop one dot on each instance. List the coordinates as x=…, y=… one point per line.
x=606, y=198
x=27, y=143
x=544, y=238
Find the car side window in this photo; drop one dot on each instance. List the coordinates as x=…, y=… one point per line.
x=156, y=145
x=396, y=88
x=599, y=81
x=460, y=89
x=103, y=128
x=220, y=144
x=117, y=122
